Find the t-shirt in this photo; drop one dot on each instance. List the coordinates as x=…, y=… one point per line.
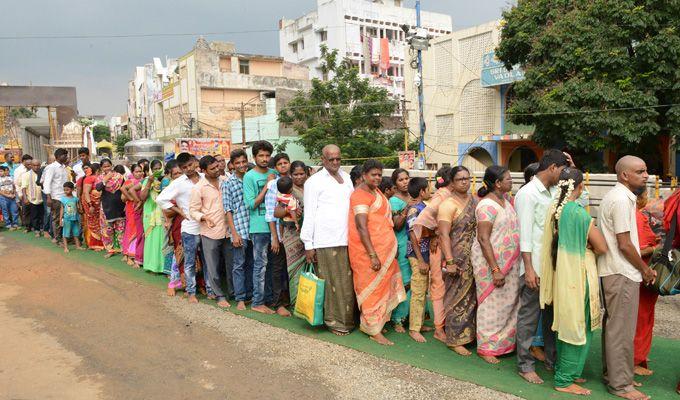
x=253, y=182
x=70, y=205
x=7, y=185
x=411, y=217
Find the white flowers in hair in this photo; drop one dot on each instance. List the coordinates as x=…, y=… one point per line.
x=563, y=185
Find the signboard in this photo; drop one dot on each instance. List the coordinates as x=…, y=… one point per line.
x=494, y=72
x=407, y=159
x=203, y=147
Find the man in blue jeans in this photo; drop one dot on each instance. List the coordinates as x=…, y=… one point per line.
x=179, y=191
x=238, y=223
x=254, y=190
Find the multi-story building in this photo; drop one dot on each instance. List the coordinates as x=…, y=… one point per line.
x=144, y=92
x=466, y=92
x=367, y=32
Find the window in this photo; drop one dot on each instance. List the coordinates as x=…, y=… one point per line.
x=323, y=36
x=294, y=47
x=374, y=69
x=302, y=44
x=244, y=67
x=372, y=32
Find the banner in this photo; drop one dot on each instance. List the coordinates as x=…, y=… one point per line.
x=407, y=159
x=203, y=147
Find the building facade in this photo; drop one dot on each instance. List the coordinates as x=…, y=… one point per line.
x=367, y=32
x=466, y=92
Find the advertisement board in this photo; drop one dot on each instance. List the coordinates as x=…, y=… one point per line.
x=494, y=72
x=407, y=159
x=202, y=147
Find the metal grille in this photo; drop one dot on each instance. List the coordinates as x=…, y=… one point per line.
x=477, y=109
x=473, y=48
x=445, y=129
x=443, y=63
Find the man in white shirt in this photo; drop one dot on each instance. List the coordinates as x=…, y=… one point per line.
x=621, y=271
x=531, y=203
x=24, y=167
x=324, y=233
x=83, y=158
x=179, y=191
x=54, y=177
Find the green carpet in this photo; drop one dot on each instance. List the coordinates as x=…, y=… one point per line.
x=432, y=356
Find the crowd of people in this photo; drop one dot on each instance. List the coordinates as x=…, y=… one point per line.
x=497, y=274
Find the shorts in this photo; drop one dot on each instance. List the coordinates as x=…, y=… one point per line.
x=71, y=229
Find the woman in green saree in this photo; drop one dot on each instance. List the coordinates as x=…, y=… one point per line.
x=155, y=234
x=399, y=203
x=570, y=243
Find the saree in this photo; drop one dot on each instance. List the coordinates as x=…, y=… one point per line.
x=295, y=249
x=133, y=218
x=92, y=217
x=460, y=303
x=175, y=240
x=112, y=215
x=378, y=292
x=155, y=246
x=572, y=287
x=648, y=297
x=400, y=313
x=497, y=307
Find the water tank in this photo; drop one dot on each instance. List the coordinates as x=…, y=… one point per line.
x=135, y=150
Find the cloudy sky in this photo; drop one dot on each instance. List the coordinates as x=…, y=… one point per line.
x=101, y=67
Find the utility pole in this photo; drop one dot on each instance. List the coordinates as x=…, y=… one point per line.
x=243, y=125
x=421, y=115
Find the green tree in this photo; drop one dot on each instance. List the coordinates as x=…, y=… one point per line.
x=23, y=112
x=599, y=74
x=119, y=143
x=101, y=132
x=345, y=110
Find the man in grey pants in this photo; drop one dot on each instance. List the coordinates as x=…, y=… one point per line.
x=205, y=206
x=621, y=270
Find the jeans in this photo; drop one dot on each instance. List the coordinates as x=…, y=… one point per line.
x=276, y=279
x=242, y=271
x=261, y=243
x=10, y=211
x=190, y=245
x=217, y=254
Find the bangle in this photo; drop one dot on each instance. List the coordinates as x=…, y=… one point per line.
x=450, y=262
x=495, y=269
x=371, y=255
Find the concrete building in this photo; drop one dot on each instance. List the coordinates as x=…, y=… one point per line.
x=144, y=93
x=368, y=32
x=466, y=94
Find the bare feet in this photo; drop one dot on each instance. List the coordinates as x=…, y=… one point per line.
x=171, y=292
x=380, y=339
x=37, y=235
x=440, y=335
x=417, y=336
x=80, y=248
x=193, y=299
x=426, y=329
x=66, y=250
x=46, y=235
x=537, y=353
x=580, y=380
x=574, y=389
x=531, y=377
x=135, y=265
x=461, y=350
x=108, y=255
x=262, y=309
x=642, y=371
x=223, y=304
x=282, y=311
x=339, y=332
x=53, y=240
x=202, y=291
x=637, y=384
x=490, y=359
x=633, y=395
x=399, y=328
x=241, y=306
x=212, y=297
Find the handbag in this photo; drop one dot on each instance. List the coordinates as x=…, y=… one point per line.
x=310, y=296
x=667, y=265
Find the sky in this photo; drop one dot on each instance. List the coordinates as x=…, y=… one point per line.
x=100, y=68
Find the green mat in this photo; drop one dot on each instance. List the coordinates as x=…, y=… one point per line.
x=433, y=355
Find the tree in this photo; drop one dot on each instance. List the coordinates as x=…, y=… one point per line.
x=345, y=110
x=120, y=142
x=101, y=132
x=23, y=112
x=599, y=74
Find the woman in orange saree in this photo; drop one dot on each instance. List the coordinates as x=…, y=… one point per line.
x=372, y=254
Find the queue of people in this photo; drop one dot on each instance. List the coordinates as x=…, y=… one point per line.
x=492, y=271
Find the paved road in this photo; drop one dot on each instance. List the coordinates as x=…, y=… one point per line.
x=76, y=332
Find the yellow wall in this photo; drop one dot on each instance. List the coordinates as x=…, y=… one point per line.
x=265, y=68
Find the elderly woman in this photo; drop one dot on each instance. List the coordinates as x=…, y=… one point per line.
x=495, y=261
x=373, y=254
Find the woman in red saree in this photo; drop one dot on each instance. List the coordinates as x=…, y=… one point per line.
x=372, y=254
x=91, y=199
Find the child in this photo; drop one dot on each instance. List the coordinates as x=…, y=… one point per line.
x=418, y=253
x=386, y=187
x=286, y=199
x=70, y=220
x=8, y=199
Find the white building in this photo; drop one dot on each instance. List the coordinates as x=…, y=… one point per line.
x=144, y=91
x=368, y=32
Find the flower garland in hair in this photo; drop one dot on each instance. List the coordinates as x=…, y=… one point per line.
x=567, y=185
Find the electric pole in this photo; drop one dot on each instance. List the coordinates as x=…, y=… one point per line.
x=243, y=125
x=421, y=115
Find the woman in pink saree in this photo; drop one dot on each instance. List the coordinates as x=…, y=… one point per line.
x=495, y=261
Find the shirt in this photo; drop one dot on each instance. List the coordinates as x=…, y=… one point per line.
x=617, y=215
x=326, y=210
x=78, y=169
x=270, y=204
x=70, y=205
x=18, y=175
x=232, y=198
x=54, y=177
x=253, y=183
x=206, y=202
x=7, y=185
x=29, y=181
x=179, y=190
x=531, y=204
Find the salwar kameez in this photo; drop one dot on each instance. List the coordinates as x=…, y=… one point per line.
x=571, y=359
x=401, y=312
x=155, y=247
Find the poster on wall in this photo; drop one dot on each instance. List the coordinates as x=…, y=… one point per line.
x=203, y=147
x=407, y=159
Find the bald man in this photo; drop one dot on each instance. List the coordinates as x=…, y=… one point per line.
x=324, y=233
x=621, y=271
